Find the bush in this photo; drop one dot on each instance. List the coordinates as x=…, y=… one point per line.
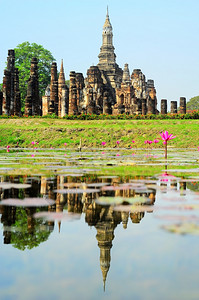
x=191, y=115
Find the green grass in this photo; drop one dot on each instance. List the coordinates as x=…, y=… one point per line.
x=55, y=132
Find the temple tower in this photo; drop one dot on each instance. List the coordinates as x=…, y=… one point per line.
x=53, y=104
x=63, y=93
x=112, y=73
x=11, y=101
x=126, y=75
x=32, y=102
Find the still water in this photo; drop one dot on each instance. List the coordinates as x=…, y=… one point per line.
x=92, y=237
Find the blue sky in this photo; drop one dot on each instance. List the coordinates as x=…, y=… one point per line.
x=158, y=36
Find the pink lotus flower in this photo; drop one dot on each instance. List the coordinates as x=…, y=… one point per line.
x=166, y=136
x=8, y=147
x=65, y=154
x=103, y=152
x=32, y=155
x=8, y=150
x=117, y=154
x=65, y=144
x=165, y=177
x=133, y=141
x=103, y=143
x=156, y=141
x=198, y=148
x=33, y=143
x=117, y=142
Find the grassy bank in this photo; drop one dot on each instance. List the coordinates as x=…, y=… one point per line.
x=56, y=132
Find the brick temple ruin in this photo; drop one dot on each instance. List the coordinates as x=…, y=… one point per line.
x=107, y=89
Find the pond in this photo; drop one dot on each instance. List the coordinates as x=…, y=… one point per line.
x=70, y=232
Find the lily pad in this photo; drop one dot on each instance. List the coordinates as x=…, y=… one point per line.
x=27, y=202
x=76, y=191
x=57, y=216
x=183, y=228
x=120, y=200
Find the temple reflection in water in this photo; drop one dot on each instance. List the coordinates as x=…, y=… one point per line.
x=24, y=231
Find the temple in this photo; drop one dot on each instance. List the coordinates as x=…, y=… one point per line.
x=107, y=89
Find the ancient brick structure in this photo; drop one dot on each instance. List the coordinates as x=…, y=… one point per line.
x=53, y=103
x=73, y=109
x=174, y=108
x=80, y=87
x=62, y=96
x=182, y=105
x=107, y=88
x=163, y=107
x=151, y=97
x=11, y=102
x=32, y=102
x=64, y=101
x=1, y=101
x=46, y=101
x=124, y=94
x=93, y=92
x=112, y=73
x=17, y=96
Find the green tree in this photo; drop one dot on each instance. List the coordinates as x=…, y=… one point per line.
x=193, y=103
x=23, y=55
x=24, y=238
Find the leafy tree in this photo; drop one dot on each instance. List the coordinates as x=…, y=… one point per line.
x=24, y=238
x=23, y=55
x=1, y=86
x=193, y=103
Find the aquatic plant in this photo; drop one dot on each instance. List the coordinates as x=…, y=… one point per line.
x=166, y=137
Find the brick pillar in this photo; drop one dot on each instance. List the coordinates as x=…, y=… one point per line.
x=11, y=69
x=17, y=95
x=144, y=108
x=72, y=109
x=106, y=105
x=151, y=106
x=79, y=86
x=163, y=107
x=6, y=93
x=182, y=105
x=174, y=109
x=91, y=102
x=32, y=102
x=1, y=102
x=64, y=102
x=53, y=104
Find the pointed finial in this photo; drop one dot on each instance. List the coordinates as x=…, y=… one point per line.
x=107, y=12
x=62, y=67
x=104, y=285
